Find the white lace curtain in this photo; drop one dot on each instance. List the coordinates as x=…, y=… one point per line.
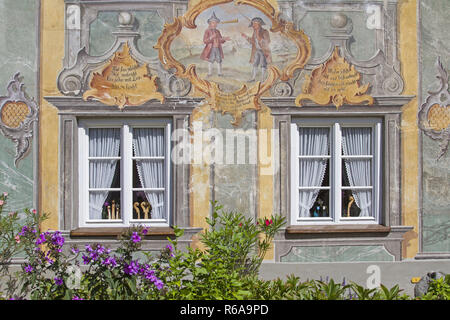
x=149, y=142
x=356, y=142
x=102, y=143
x=312, y=142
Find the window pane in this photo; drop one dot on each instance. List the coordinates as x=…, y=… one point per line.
x=356, y=141
x=148, y=174
x=104, y=205
x=356, y=203
x=104, y=142
x=357, y=172
x=104, y=174
x=148, y=142
x=148, y=205
x=321, y=204
x=314, y=173
x=313, y=141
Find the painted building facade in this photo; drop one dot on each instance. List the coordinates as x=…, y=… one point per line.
x=331, y=113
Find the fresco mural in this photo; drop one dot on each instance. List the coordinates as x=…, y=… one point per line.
x=233, y=45
x=434, y=121
x=218, y=66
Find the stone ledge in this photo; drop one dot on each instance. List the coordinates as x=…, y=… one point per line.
x=114, y=232
x=350, y=228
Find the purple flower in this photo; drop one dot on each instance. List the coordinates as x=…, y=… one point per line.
x=77, y=298
x=110, y=261
x=101, y=249
x=24, y=231
x=57, y=239
x=75, y=250
x=159, y=284
x=135, y=237
x=88, y=248
x=41, y=239
x=170, y=249
x=58, y=281
x=86, y=259
x=132, y=268
x=144, y=231
x=94, y=255
x=28, y=269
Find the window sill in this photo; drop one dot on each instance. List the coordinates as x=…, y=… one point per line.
x=114, y=232
x=349, y=228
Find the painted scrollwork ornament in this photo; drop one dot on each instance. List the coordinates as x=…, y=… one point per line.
x=18, y=113
x=434, y=114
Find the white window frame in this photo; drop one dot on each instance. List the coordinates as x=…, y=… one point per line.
x=126, y=171
x=335, y=169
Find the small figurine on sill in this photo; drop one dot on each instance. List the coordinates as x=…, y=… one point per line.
x=138, y=211
x=146, y=207
x=316, y=212
x=351, y=200
x=143, y=207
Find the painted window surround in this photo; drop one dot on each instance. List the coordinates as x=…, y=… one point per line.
x=126, y=127
x=389, y=232
x=336, y=169
x=72, y=110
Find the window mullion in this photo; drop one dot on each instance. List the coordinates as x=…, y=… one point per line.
x=337, y=174
x=126, y=176
x=84, y=173
x=167, y=193
x=294, y=173
x=377, y=172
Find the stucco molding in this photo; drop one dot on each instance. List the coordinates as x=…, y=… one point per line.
x=71, y=109
x=391, y=241
x=382, y=70
x=18, y=113
x=389, y=108
x=432, y=117
x=73, y=80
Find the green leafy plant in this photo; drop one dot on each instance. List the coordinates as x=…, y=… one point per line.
x=439, y=289
x=329, y=290
x=238, y=241
x=234, y=249
x=227, y=267
x=362, y=293
x=11, y=245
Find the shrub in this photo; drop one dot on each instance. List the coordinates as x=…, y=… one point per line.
x=117, y=276
x=439, y=289
x=235, y=248
x=12, y=225
x=227, y=268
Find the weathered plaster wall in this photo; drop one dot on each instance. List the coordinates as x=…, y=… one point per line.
x=434, y=43
x=258, y=187
x=19, y=32
x=52, y=54
x=407, y=34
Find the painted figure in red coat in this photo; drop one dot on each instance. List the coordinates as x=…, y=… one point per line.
x=213, y=41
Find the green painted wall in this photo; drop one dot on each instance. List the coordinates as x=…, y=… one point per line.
x=18, y=53
x=435, y=42
x=148, y=23
x=337, y=254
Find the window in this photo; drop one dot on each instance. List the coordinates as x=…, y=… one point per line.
x=124, y=172
x=336, y=171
